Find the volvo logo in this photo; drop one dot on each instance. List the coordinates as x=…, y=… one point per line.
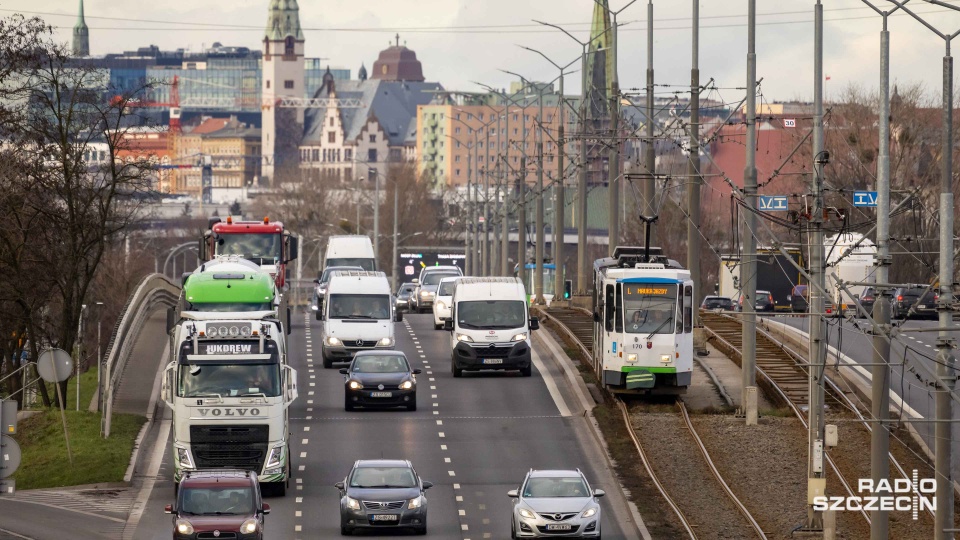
x=216, y=534
x=359, y=343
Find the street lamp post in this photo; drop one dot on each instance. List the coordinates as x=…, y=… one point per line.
x=372, y=172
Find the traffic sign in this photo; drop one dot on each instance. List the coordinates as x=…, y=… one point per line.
x=9, y=456
x=54, y=365
x=8, y=417
x=789, y=122
x=865, y=198
x=773, y=203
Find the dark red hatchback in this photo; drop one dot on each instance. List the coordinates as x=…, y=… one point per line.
x=221, y=504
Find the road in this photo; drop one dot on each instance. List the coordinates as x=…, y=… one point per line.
x=473, y=437
x=911, y=384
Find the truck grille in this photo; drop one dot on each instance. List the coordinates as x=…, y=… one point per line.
x=492, y=352
x=240, y=447
x=353, y=344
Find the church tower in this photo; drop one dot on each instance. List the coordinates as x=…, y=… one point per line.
x=283, y=76
x=81, y=35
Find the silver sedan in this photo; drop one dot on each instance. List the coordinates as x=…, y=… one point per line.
x=554, y=503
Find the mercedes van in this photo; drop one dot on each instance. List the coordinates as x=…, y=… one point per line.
x=350, y=250
x=358, y=314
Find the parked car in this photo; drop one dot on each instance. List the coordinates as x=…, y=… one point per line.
x=799, y=299
x=721, y=303
x=383, y=494
x=915, y=302
x=404, y=295
x=555, y=503
x=321, y=289
x=380, y=379
x=218, y=503
x=764, y=302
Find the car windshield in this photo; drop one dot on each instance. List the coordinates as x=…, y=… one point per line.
x=649, y=308
x=215, y=501
x=251, y=246
x=383, y=477
x=367, y=264
x=549, y=487
x=717, y=302
x=359, y=306
x=325, y=277
x=388, y=363
x=223, y=307
x=491, y=314
x=406, y=290
x=434, y=278
x=229, y=379
x=446, y=288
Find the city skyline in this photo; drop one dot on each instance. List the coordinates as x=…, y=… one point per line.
x=446, y=34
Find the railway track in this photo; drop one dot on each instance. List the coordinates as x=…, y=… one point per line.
x=578, y=325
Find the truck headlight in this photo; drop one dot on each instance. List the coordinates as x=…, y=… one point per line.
x=385, y=342
x=631, y=358
x=441, y=305
x=406, y=385
x=464, y=338
x=665, y=358
x=333, y=341
x=355, y=385
x=184, y=527
x=275, y=458
x=353, y=504
x=183, y=456
x=415, y=503
x=522, y=336
x=249, y=526
x=527, y=514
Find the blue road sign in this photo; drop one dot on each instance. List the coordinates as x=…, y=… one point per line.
x=865, y=198
x=773, y=203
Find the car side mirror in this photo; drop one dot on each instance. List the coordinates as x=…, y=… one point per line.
x=599, y=493
x=399, y=316
x=534, y=323
x=416, y=281
x=339, y=485
x=513, y=493
x=417, y=371
x=448, y=324
x=266, y=508
x=317, y=281
x=427, y=485
x=344, y=371
x=168, y=509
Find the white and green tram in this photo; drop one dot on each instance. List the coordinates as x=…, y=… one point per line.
x=643, y=324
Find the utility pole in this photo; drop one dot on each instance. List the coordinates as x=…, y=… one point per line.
x=522, y=219
x=816, y=479
x=693, y=166
x=376, y=214
x=582, y=269
x=541, y=234
x=468, y=241
x=649, y=182
x=748, y=256
x=485, y=246
x=396, y=231
x=613, y=166
x=559, y=200
x=505, y=225
x=496, y=251
x=475, y=212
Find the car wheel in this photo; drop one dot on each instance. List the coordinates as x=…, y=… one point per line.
x=527, y=371
x=327, y=362
x=347, y=405
x=437, y=326
x=317, y=315
x=412, y=406
x=513, y=530
x=280, y=489
x=345, y=531
x=457, y=372
x=422, y=531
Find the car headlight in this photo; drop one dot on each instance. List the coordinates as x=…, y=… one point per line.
x=590, y=512
x=406, y=385
x=334, y=342
x=183, y=456
x=184, y=527
x=522, y=336
x=353, y=504
x=441, y=305
x=415, y=503
x=275, y=458
x=385, y=342
x=355, y=385
x=313, y=308
x=249, y=526
x=465, y=338
x=631, y=358
x=527, y=514
x=424, y=294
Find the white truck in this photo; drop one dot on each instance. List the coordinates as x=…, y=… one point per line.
x=230, y=388
x=850, y=257
x=350, y=250
x=490, y=326
x=358, y=314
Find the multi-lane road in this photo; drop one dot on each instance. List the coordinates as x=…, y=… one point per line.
x=474, y=437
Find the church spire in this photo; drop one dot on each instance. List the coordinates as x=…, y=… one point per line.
x=283, y=21
x=81, y=35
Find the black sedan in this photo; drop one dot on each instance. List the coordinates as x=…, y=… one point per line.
x=380, y=379
x=383, y=494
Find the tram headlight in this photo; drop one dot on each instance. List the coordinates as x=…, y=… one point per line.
x=631, y=358
x=665, y=358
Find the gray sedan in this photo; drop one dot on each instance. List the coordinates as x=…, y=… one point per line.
x=554, y=503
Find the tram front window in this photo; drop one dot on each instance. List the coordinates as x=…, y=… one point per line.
x=649, y=308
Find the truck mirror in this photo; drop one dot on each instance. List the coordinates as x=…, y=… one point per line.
x=294, y=248
x=448, y=324
x=534, y=323
x=289, y=329
x=399, y=316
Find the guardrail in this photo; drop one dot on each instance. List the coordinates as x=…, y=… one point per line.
x=154, y=290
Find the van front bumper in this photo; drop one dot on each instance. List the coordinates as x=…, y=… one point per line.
x=492, y=355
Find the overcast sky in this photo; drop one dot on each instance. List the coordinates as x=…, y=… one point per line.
x=460, y=41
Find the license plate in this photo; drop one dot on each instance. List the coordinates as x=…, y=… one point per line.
x=921, y=306
x=559, y=527
x=384, y=517
x=381, y=394
x=493, y=360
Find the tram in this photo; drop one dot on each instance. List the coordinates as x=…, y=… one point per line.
x=643, y=323
x=529, y=280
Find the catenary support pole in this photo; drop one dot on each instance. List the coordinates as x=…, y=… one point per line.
x=498, y=203
x=693, y=165
x=650, y=156
x=376, y=215
x=748, y=255
x=396, y=232
x=559, y=199
x=613, y=168
x=582, y=222
x=505, y=224
x=880, y=370
x=467, y=237
x=485, y=245
x=522, y=222
x=475, y=212
x=541, y=234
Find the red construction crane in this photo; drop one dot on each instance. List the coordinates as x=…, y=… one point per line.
x=173, y=104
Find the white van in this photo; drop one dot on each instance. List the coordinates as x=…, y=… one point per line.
x=443, y=301
x=358, y=315
x=350, y=250
x=490, y=326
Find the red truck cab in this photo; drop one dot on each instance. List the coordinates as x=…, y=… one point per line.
x=265, y=243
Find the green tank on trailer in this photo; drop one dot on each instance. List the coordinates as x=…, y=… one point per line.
x=233, y=291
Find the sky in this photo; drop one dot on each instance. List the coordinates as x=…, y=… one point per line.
x=462, y=42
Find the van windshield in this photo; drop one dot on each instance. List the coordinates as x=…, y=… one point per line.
x=359, y=306
x=433, y=278
x=492, y=314
x=367, y=264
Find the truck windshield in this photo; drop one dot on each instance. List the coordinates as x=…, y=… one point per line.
x=224, y=307
x=229, y=379
x=649, y=308
x=492, y=314
x=250, y=246
x=359, y=306
x=211, y=501
x=367, y=264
